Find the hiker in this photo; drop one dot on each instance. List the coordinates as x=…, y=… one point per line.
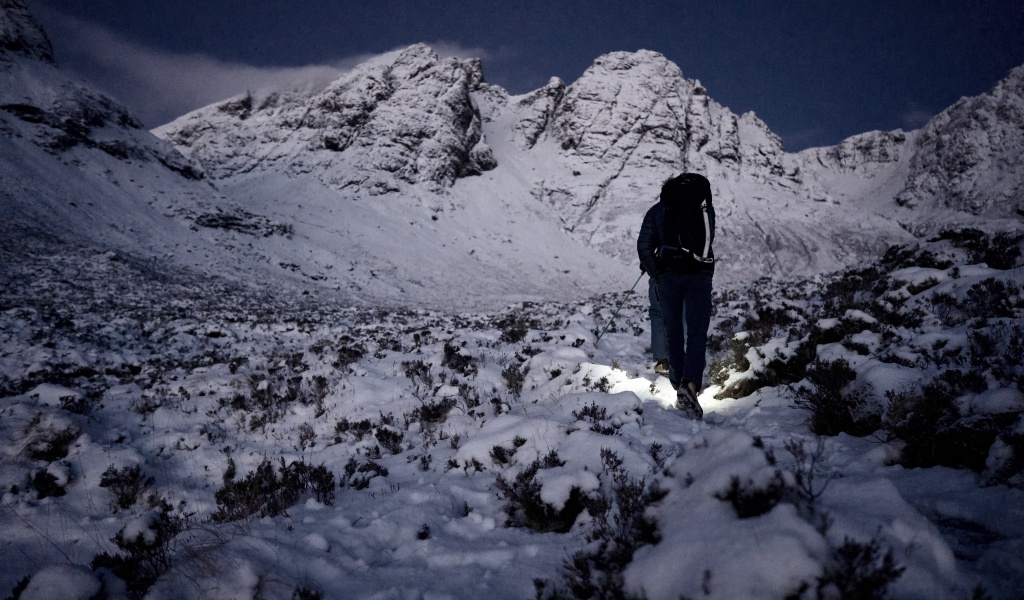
x=674, y=246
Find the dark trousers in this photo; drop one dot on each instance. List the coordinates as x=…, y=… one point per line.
x=659, y=344
x=686, y=311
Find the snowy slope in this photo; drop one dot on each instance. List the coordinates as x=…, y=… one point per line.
x=182, y=438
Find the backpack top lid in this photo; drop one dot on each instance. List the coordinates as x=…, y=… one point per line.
x=688, y=188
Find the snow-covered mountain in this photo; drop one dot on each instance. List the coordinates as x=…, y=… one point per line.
x=411, y=177
x=77, y=170
x=410, y=130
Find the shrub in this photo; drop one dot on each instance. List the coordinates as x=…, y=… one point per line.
x=859, y=571
x=523, y=503
x=390, y=439
x=46, y=485
x=349, y=353
x=834, y=407
x=620, y=525
x=50, y=441
x=125, y=484
x=458, y=362
x=147, y=555
x=515, y=377
x=934, y=431
x=999, y=251
x=991, y=298
x=807, y=486
x=268, y=493
x=514, y=327
x=357, y=476
x=596, y=415
x=751, y=499
x=433, y=412
x=417, y=370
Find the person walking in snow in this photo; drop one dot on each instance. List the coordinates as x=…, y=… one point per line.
x=674, y=246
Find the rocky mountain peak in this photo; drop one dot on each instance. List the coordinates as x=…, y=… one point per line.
x=21, y=34
x=406, y=117
x=967, y=158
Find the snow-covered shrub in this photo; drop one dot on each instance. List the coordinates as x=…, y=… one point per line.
x=913, y=255
x=46, y=484
x=753, y=499
x=1005, y=462
x=993, y=298
x=999, y=251
x=357, y=429
x=432, y=412
x=125, y=484
x=809, y=481
x=835, y=405
x=462, y=364
x=523, y=503
x=305, y=593
x=418, y=372
x=731, y=359
x=78, y=404
x=596, y=415
x=620, y=525
x=390, y=439
x=50, y=436
x=514, y=327
x=348, y=353
x=933, y=430
x=146, y=548
x=858, y=571
x=514, y=375
x=357, y=476
x=266, y=492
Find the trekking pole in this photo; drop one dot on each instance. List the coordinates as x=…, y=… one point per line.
x=616, y=313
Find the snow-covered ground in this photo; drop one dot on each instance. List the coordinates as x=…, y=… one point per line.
x=170, y=435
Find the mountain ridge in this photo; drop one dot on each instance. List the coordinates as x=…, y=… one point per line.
x=411, y=180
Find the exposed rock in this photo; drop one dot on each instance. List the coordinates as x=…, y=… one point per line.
x=404, y=118
x=21, y=34
x=967, y=158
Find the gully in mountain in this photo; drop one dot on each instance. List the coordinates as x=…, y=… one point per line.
x=674, y=246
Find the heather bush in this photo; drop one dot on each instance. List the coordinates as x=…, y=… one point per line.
x=267, y=492
x=933, y=429
x=619, y=525
x=753, y=499
x=835, y=406
x=523, y=503
x=859, y=571
x=456, y=361
x=358, y=476
x=514, y=375
x=596, y=415
x=50, y=437
x=147, y=555
x=125, y=484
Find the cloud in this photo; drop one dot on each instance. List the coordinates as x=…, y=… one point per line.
x=915, y=117
x=159, y=86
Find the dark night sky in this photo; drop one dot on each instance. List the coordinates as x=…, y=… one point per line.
x=816, y=71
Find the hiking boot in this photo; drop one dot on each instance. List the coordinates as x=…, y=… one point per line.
x=686, y=401
x=661, y=367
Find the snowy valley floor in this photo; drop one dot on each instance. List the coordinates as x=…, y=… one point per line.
x=169, y=436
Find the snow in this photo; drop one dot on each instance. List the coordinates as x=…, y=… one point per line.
x=431, y=523
x=425, y=344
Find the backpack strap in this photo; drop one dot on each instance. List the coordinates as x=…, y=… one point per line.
x=704, y=258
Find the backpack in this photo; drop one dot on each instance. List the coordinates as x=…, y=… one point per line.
x=686, y=233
